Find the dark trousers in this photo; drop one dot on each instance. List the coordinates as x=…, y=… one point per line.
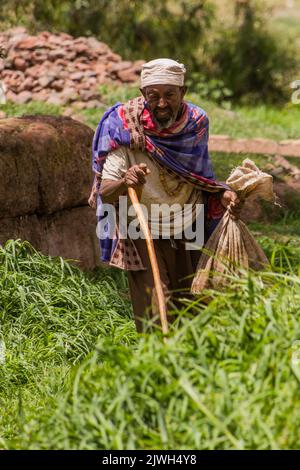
x=176, y=266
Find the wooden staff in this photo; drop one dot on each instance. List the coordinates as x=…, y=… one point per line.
x=153, y=260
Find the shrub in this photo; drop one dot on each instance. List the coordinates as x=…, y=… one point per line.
x=250, y=59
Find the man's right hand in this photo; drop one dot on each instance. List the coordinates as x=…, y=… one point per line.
x=135, y=175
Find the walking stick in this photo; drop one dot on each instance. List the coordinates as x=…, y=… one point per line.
x=153, y=260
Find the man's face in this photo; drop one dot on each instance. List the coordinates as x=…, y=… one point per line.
x=164, y=102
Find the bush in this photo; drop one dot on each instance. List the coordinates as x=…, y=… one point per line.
x=251, y=60
x=245, y=59
x=212, y=90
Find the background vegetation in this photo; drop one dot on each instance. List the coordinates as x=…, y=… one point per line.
x=233, y=50
x=242, y=120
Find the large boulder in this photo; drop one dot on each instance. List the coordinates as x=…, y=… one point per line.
x=45, y=167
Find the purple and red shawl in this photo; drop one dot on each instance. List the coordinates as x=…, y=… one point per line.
x=182, y=148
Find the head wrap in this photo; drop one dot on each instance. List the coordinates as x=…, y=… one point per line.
x=162, y=72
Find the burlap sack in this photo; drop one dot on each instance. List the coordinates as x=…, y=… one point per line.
x=231, y=248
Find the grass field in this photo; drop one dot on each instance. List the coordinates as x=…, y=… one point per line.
x=265, y=121
x=75, y=375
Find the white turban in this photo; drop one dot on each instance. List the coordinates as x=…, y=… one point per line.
x=162, y=72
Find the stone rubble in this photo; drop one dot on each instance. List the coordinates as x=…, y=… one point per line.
x=60, y=69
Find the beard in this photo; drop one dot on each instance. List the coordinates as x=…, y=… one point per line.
x=165, y=122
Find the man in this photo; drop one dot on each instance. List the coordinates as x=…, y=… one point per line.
x=157, y=144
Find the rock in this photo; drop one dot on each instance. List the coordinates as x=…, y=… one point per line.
x=17, y=31
x=57, y=85
x=41, y=95
x=127, y=76
x=287, y=166
x=91, y=81
x=57, y=100
x=78, y=117
x=93, y=104
x=68, y=111
x=90, y=73
x=19, y=63
x=290, y=148
x=48, y=159
x=33, y=71
x=27, y=84
x=59, y=63
x=45, y=80
x=69, y=94
x=11, y=96
x=138, y=65
x=111, y=57
x=37, y=88
x=97, y=46
x=221, y=143
x=87, y=95
x=7, y=74
x=56, y=54
x=28, y=43
x=70, y=55
x=77, y=76
x=116, y=67
x=81, y=48
x=82, y=66
x=67, y=37
x=277, y=171
x=69, y=233
x=45, y=35
x=77, y=105
x=224, y=143
x=2, y=115
x=23, y=97
x=39, y=56
x=54, y=39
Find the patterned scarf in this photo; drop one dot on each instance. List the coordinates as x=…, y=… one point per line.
x=182, y=148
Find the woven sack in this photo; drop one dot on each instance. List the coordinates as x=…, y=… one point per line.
x=231, y=247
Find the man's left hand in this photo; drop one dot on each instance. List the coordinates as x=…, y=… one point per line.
x=232, y=203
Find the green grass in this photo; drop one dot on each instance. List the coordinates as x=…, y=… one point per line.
x=75, y=375
x=51, y=314
x=285, y=231
x=224, y=163
x=287, y=26
x=264, y=121
x=33, y=107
